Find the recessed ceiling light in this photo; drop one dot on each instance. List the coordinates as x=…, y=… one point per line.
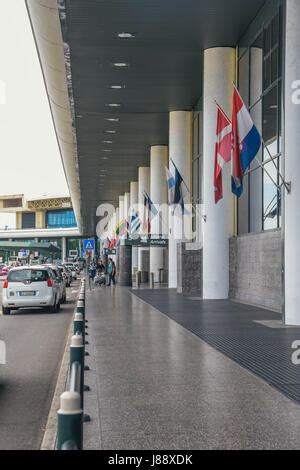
x=116, y=87
x=126, y=35
x=113, y=105
x=109, y=132
x=112, y=119
x=105, y=150
x=79, y=116
x=107, y=142
x=121, y=64
x=104, y=158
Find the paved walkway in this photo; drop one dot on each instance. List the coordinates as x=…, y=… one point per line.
x=156, y=385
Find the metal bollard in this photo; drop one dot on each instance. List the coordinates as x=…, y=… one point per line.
x=77, y=355
x=79, y=327
x=70, y=422
x=80, y=307
x=151, y=281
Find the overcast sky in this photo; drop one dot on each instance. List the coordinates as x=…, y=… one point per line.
x=30, y=162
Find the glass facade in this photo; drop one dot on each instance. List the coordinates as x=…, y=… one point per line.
x=28, y=220
x=260, y=84
x=60, y=218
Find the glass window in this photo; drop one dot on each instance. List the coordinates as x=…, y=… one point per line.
x=60, y=219
x=260, y=75
x=28, y=219
x=30, y=275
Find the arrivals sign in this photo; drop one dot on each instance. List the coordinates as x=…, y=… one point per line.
x=148, y=241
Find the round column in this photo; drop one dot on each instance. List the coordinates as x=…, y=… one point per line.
x=159, y=196
x=126, y=207
x=291, y=162
x=134, y=201
x=63, y=249
x=180, y=151
x=143, y=253
x=219, y=75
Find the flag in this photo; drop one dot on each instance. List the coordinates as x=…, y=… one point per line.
x=246, y=142
x=151, y=207
x=222, y=151
x=135, y=223
x=171, y=186
x=146, y=219
x=122, y=227
x=107, y=242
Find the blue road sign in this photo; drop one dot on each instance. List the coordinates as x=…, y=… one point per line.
x=88, y=245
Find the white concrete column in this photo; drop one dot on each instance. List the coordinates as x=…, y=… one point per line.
x=144, y=186
x=134, y=200
x=121, y=208
x=63, y=248
x=180, y=151
x=219, y=75
x=126, y=206
x=159, y=155
x=291, y=162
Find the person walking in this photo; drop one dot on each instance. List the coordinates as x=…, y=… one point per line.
x=111, y=271
x=92, y=274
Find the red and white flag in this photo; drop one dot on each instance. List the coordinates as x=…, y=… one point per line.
x=222, y=151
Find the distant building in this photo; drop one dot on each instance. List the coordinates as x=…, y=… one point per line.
x=43, y=220
x=42, y=213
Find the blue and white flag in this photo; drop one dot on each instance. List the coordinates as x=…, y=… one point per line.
x=135, y=223
x=171, y=186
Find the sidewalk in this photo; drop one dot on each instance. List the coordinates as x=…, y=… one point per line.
x=156, y=385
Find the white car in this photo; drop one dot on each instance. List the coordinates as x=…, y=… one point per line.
x=60, y=281
x=30, y=286
x=73, y=269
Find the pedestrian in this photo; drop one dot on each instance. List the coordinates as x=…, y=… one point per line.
x=100, y=266
x=92, y=274
x=111, y=271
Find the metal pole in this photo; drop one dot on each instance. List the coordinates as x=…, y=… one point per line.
x=286, y=185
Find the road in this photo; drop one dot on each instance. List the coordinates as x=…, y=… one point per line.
x=35, y=341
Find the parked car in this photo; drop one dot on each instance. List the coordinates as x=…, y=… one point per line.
x=60, y=281
x=66, y=274
x=72, y=268
x=30, y=286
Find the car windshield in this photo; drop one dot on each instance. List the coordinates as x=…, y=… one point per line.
x=32, y=275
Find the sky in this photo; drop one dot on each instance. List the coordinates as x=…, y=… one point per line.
x=30, y=162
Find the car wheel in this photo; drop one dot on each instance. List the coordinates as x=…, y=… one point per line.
x=54, y=308
x=6, y=311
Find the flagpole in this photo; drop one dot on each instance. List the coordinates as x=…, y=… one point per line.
x=197, y=212
x=182, y=178
x=159, y=213
x=286, y=184
x=222, y=111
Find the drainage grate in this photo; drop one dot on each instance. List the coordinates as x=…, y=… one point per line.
x=250, y=336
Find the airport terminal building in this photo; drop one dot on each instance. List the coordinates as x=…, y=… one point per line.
x=133, y=88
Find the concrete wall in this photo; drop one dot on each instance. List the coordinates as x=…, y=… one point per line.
x=189, y=269
x=255, y=269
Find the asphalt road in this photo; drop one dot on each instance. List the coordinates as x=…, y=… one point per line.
x=35, y=341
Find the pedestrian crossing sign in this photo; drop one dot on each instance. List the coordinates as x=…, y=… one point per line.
x=88, y=245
